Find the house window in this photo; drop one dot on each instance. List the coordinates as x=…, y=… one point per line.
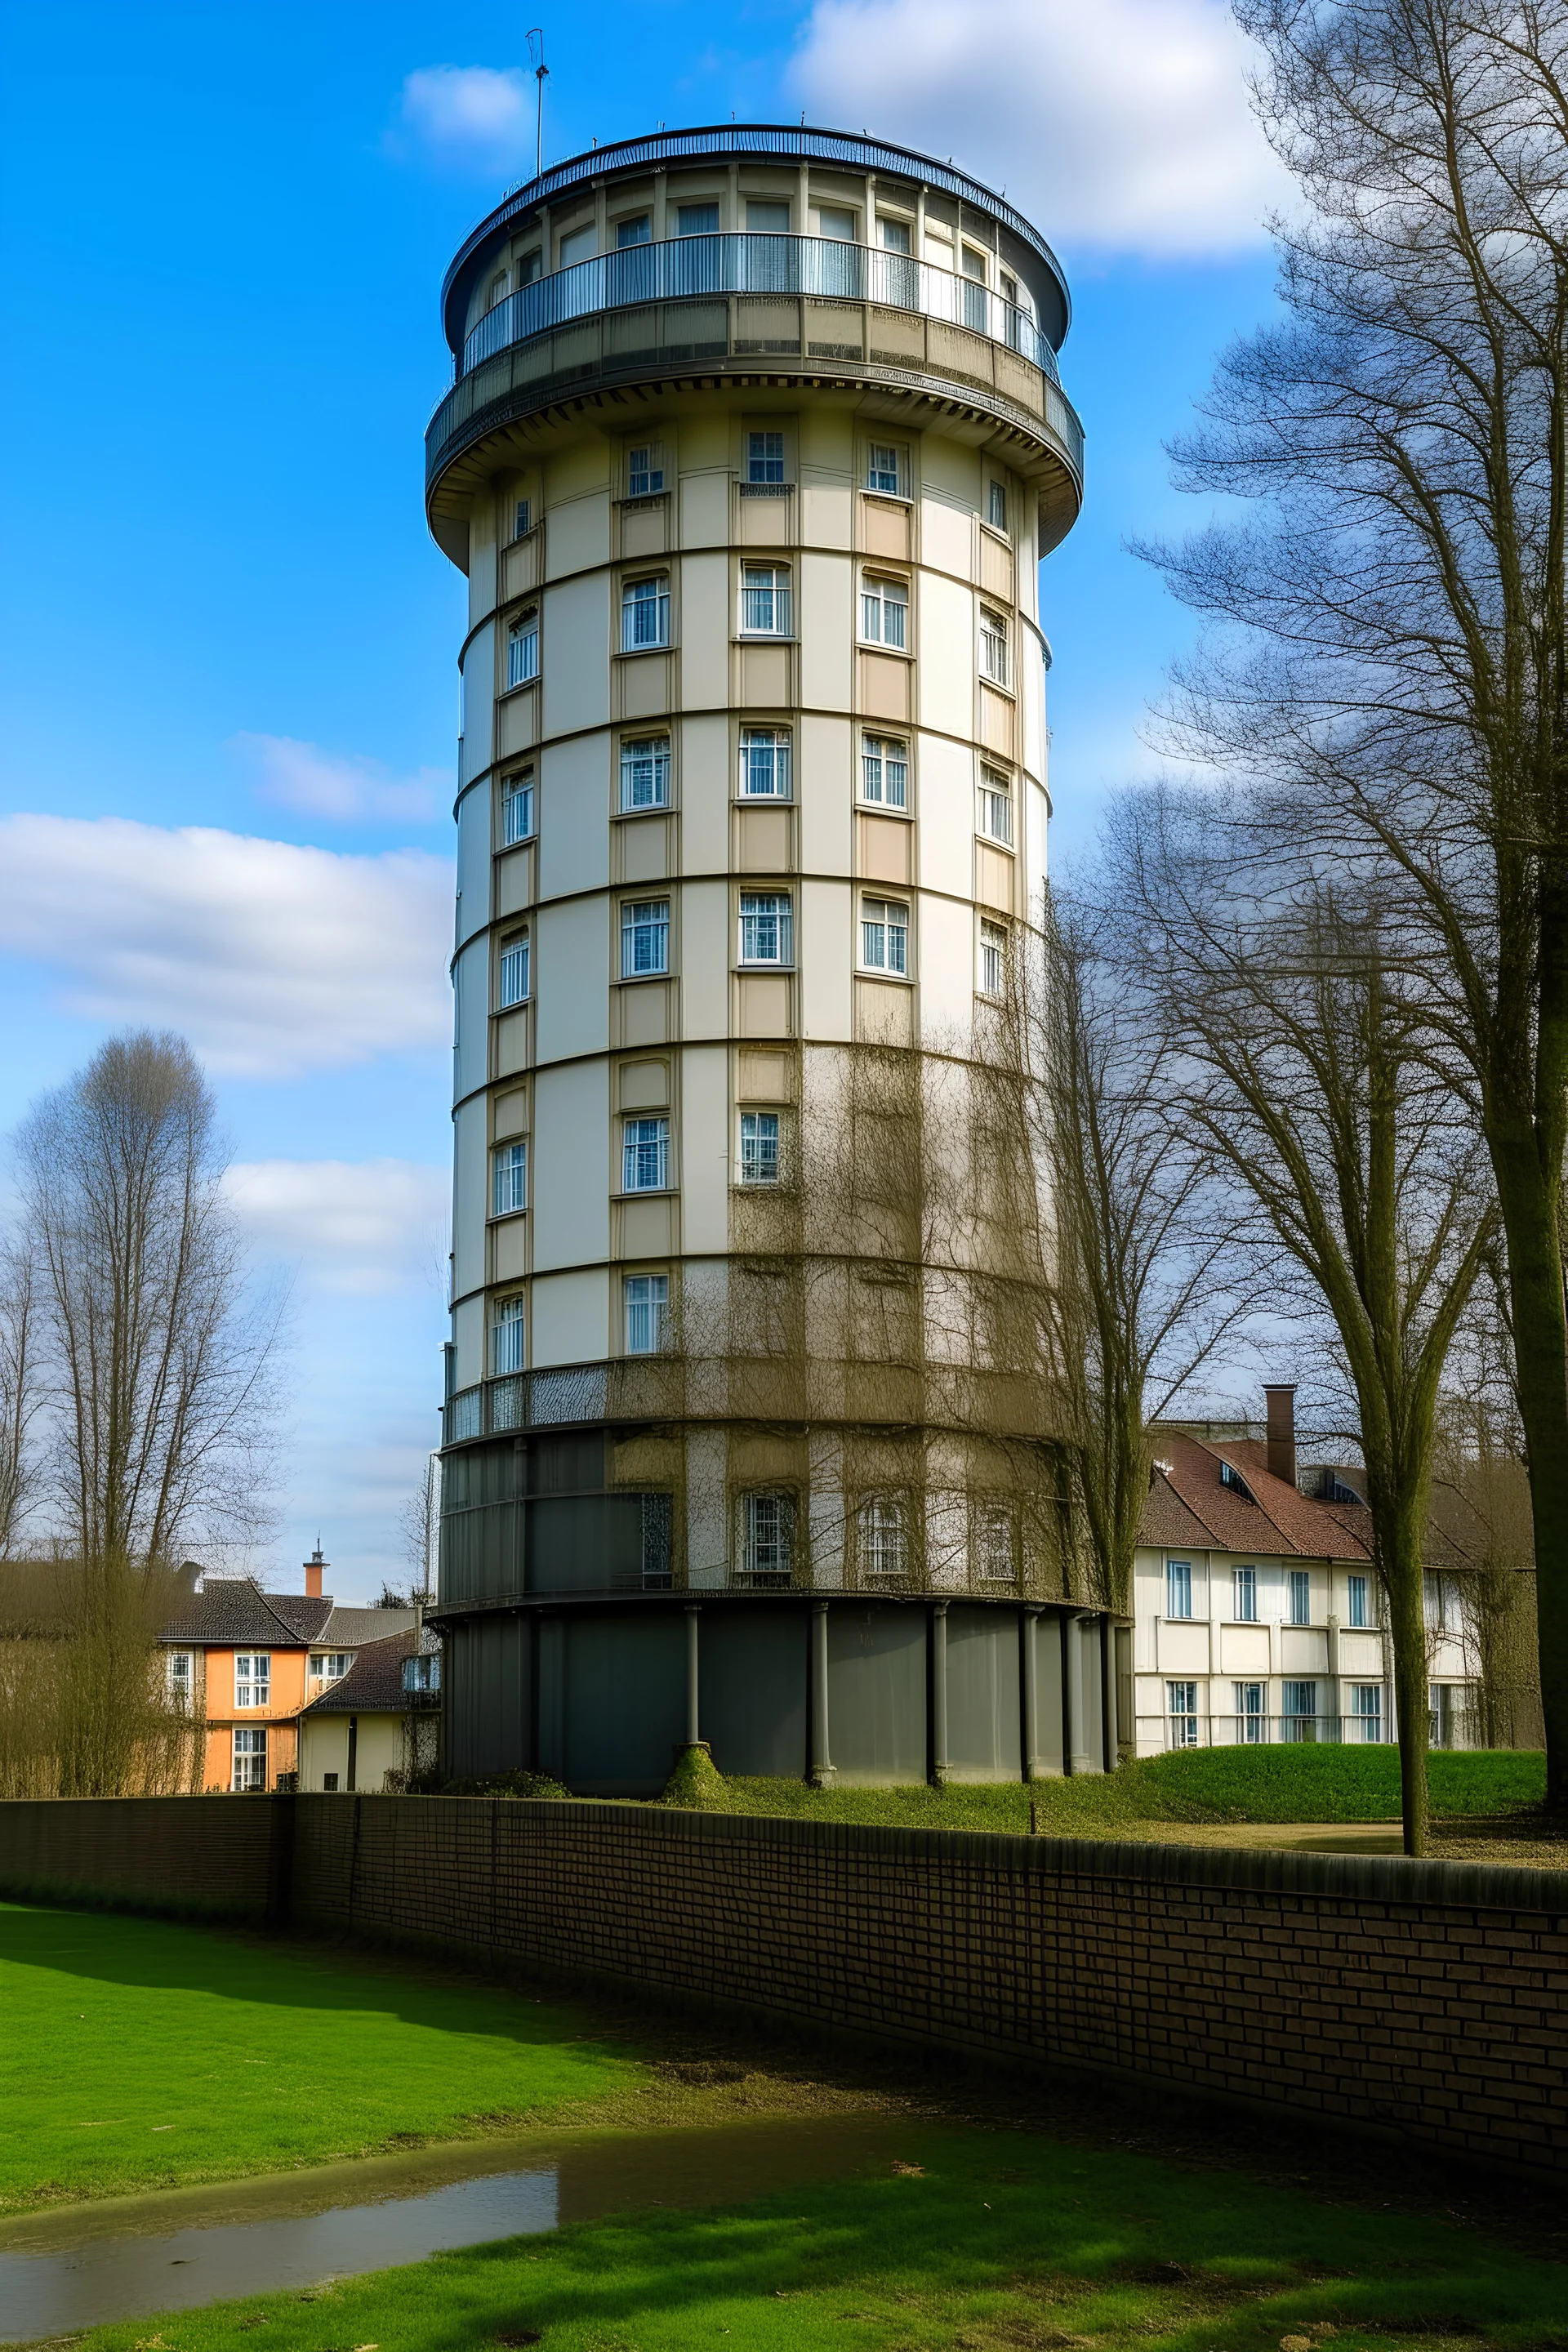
x=638, y=230
x=1440, y=1605
x=498, y=285
x=645, y=772
x=644, y=1155
x=759, y=1147
x=422, y=1674
x=884, y=1548
x=1181, y=1703
x=180, y=1668
x=995, y=809
x=993, y=646
x=511, y=1179
x=645, y=937
x=882, y=472
x=764, y=457
x=1300, y=1597
x=767, y=1538
x=522, y=648
x=885, y=936
x=765, y=600
x=1366, y=1711
x=644, y=614
x=837, y=222
x=1244, y=1598
x=996, y=505
x=696, y=220
x=767, y=927
x=249, y=1762
x=522, y=520
x=885, y=771
x=644, y=471
x=997, y=1563
x=1298, y=1712
x=514, y=971
x=507, y=1351
x=1250, y=1720
x=765, y=763
x=1440, y=1712
x=1356, y=1589
x=884, y=613
x=330, y=1783
x=648, y=1303
x=252, y=1679
x=992, y=959
x=331, y=1665
x=516, y=808
x=766, y=219
x=895, y=234
x=1178, y=1587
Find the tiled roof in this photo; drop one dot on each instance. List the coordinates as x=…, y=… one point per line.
x=1188, y=1505
x=349, y=1629
x=236, y=1612
x=374, y=1683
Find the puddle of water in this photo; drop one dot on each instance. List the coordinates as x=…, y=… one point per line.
x=128, y=2257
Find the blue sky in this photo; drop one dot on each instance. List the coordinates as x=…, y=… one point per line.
x=228, y=702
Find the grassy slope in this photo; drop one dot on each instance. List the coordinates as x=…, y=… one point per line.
x=139, y=2053
x=1002, y=2240
x=1208, y=1784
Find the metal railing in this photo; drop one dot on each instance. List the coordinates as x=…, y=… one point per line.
x=1171, y=1732
x=686, y=268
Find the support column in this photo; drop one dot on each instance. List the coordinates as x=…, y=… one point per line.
x=821, y=1773
x=693, y=1717
x=1108, y=1691
x=1027, y=1623
x=1075, y=1755
x=939, y=1693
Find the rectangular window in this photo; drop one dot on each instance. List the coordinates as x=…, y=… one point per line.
x=993, y=646
x=644, y=1155
x=249, y=1762
x=516, y=808
x=884, y=613
x=765, y=600
x=1357, y=1595
x=1298, y=1712
x=636, y=231
x=696, y=220
x=531, y=266
x=522, y=648
x=997, y=1561
x=522, y=522
x=514, y=972
x=645, y=772
x=648, y=1303
x=1178, y=1587
x=330, y=1783
x=510, y=1192
x=993, y=960
x=973, y=267
x=996, y=505
x=644, y=471
x=421, y=1674
x=767, y=927
x=331, y=1665
x=765, y=763
x=759, y=1147
x=895, y=234
x=1182, y=1701
x=837, y=222
x=1300, y=1597
x=1441, y=1715
x=764, y=457
x=181, y=1670
x=1244, y=1597
x=645, y=937
x=767, y=218
x=767, y=1538
x=885, y=771
x=995, y=818
x=498, y=285
x=885, y=936
x=252, y=1679
x=1366, y=1711
x=507, y=1352
x=644, y=614
x=884, y=1549
x=882, y=471
x=578, y=245
x=1249, y=1716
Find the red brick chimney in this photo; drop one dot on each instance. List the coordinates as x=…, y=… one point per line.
x=1281, y=1432
x=315, y=1564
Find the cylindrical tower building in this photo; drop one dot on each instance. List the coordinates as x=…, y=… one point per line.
x=755, y=443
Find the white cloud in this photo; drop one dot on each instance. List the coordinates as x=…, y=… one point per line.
x=343, y=786
x=270, y=958
x=468, y=114
x=353, y=1224
x=1117, y=126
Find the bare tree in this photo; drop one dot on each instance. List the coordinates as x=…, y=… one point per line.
x=419, y=1524
x=18, y=1391
x=1388, y=649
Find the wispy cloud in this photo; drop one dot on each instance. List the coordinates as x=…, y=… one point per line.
x=474, y=115
x=270, y=958
x=352, y=1224
x=1121, y=127
x=344, y=786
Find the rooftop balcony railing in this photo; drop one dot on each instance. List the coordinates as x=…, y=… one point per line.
x=688, y=268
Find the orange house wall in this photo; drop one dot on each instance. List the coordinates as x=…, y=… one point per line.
x=280, y=1719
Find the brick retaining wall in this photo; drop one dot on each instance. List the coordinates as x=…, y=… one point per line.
x=1420, y=1997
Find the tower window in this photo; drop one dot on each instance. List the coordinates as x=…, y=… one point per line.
x=638, y=230
x=759, y=1147
x=578, y=245
x=498, y=284
x=995, y=818
x=992, y=959
x=507, y=1353
x=516, y=808
x=884, y=472
x=994, y=647
x=837, y=222
x=696, y=220
x=997, y=1561
x=765, y=600
x=645, y=469
x=884, y=1546
x=996, y=505
x=885, y=771
x=767, y=927
x=885, y=612
x=510, y=1192
x=647, y=1304
x=645, y=772
x=767, y=219
x=767, y=1538
x=514, y=971
x=522, y=648
x=885, y=936
x=644, y=1155
x=895, y=234
x=522, y=520
x=764, y=457
x=645, y=937
x=644, y=614
x=765, y=763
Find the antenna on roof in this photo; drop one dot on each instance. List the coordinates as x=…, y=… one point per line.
x=541, y=70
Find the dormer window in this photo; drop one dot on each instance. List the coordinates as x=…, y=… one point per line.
x=1230, y=1476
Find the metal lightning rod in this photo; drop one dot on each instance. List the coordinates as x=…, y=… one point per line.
x=536, y=58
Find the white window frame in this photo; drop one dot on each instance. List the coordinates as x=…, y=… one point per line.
x=1251, y=1720
x=645, y=938
x=1179, y=1590
x=645, y=614
x=509, y=1338
x=330, y=1666
x=769, y=778
x=646, y=1299
x=993, y=958
x=645, y=1153
x=884, y=611
x=523, y=649
x=1368, y=1715
x=997, y=1545
x=994, y=807
x=767, y=1537
x=1304, y=1711
x=508, y=1184
x=894, y=236
x=887, y=469
x=767, y=602
x=996, y=506
x=1299, y=1596
x=761, y=1145
x=645, y=479
x=882, y=1531
x=760, y=909
x=252, y=1679
x=1356, y=1615
x=885, y=771
x=248, y=1767
x=516, y=808
x=180, y=1674
x=515, y=972
x=1243, y=1596
x=1182, y=1713
x=884, y=938
x=645, y=772
x=764, y=457
x=996, y=664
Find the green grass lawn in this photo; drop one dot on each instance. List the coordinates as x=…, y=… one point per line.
x=139, y=2055
x=1205, y=1784
x=990, y=2242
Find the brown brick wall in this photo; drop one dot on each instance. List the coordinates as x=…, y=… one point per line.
x=1417, y=1996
